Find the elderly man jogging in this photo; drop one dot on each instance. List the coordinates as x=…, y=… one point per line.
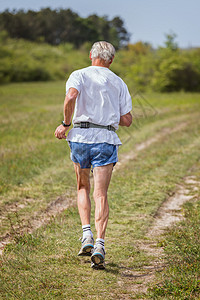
x=100, y=101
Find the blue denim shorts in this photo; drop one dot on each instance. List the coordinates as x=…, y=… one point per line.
x=95, y=155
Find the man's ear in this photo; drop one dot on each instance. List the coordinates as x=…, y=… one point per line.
x=90, y=56
x=111, y=60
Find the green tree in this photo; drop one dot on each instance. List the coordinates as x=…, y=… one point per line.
x=170, y=41
x=63, y=26
x=121, y=32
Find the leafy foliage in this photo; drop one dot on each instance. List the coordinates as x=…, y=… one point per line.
x=21, y=60
x=63, y=26
x=166, y=69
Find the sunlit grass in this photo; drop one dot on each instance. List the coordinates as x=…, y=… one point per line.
x=36, y=169
x=180, y=278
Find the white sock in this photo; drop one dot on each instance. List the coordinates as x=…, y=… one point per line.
x=100, y=241
x=86, y=230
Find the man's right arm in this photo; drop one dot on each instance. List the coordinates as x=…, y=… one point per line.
x=126, y=120
x=69, y=105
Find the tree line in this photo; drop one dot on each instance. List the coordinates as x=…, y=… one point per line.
x=165, y=69
x=63, y=26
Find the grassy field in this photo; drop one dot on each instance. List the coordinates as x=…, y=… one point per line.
x=180, y=280
x=36, y=170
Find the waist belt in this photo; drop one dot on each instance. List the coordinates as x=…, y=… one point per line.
x=92, y=125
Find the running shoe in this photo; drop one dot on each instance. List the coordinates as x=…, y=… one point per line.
x=87, y=246
x=98, y=257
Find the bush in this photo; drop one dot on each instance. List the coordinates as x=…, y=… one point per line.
x=175, y=72
x=28, y=72
x=5, y=71
x=21, y=60
x=143, y=68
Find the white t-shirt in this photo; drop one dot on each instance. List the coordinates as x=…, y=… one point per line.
x=103, y=97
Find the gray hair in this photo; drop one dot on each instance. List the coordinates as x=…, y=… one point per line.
x=103, y=50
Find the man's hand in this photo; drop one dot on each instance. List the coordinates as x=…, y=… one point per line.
x=60, y=132
x=126, y=120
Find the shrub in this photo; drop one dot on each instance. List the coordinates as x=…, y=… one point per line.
x=175, y=72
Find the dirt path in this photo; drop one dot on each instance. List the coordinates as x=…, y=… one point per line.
x=63, y=202
x=28, y=226
x=167, y=215
x=142, y=146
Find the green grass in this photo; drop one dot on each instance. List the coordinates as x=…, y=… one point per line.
x=181, y=277
x=36, y=170
x=29, y=117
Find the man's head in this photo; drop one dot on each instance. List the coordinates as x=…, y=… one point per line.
x=103, y=51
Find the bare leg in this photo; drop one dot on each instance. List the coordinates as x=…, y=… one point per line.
x=102, y=176
x=83, y=190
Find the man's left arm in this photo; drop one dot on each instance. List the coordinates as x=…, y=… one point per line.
x=69, y=105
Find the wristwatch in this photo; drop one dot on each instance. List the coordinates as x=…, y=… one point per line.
x=65, y=125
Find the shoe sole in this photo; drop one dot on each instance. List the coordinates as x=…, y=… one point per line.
x=86, y=251
x=97, y=258
x=98, y=267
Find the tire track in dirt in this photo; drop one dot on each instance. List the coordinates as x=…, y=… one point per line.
x=63, y=202
x=142, y=146
x=168, y=214
x=28, y=226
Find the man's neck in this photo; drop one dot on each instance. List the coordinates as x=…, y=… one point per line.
x=100, y=63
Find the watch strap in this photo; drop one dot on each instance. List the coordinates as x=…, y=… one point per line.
x=65, y=125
